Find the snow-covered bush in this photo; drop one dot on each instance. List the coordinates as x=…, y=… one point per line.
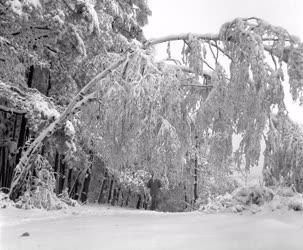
x=296, y=203
x=255, y=199
x=40, y=189
x=253, y=195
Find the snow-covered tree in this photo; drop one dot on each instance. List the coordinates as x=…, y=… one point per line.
x=283, y=155
x=142, y=114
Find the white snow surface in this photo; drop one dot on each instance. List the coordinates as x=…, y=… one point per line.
x=93, y=228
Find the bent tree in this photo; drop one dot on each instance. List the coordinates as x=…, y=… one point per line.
x=143, y=114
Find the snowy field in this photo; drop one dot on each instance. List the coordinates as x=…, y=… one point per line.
x=87, y=228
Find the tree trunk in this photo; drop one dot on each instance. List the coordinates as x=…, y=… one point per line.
x=81, y=187
x=185, y=196
x=58, y=171
x=196, y=179
x=25, y=162
x=101, y=191
x=74, y=186
x=138, y=205
x=21, y=138
x=114, y=196
x=61, y=174
x=127, y=199
x=122, y=198
x=84, y=194
x=118, y=195
x=66, y=174
x=3, y=166
x=110, y=190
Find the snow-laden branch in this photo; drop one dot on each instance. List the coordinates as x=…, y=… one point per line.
x=185, y=36
x=25, y=162
x=208, y=38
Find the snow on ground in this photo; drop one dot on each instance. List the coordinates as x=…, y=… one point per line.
x=90, y=228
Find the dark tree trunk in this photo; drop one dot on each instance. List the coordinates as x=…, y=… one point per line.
x=81, y=188
x=74, y=189
x=49, y=86
x=113, y=201
x=110, y=190
x=30, y=75
x=85, y=188
x=185, y=196
x=122, y=198
x=62, y=174
x=65, y=179
x=127, y=199
x=3, y=169
x=69, y=179
x=101, y=190
x=118, y=195
x=138, y=206
x=22, y=138
x=196, y=179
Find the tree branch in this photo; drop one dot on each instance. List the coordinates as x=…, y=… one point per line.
x=185, y=36
x=12, y=110
x=205, y=37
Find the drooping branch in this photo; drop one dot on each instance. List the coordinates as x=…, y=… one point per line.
x=208, y=38
x=25, y=162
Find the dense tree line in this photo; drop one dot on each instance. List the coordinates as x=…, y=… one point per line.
x=101, y=95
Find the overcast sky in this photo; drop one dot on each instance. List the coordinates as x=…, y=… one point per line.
x=207, y=16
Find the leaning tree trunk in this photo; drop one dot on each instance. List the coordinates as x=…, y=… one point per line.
x=29, y=155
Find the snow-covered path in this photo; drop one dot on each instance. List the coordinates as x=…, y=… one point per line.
x=102, y=228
